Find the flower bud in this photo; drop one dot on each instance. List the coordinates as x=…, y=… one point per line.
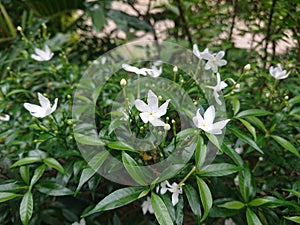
x=19, y=28
x=175, y=69
x=167, y=127
x=247, y=67
x=160, y=98
x=123, y=82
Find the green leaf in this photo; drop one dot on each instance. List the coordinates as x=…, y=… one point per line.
x=38, y=172
x=53, y=189
x=286, y=144
x=200, y=154
x=95, y=163
x=54, y=164
x=218, y=169
x=6, y=196
x=213, y=139
x=160, y=210
x=245, y=184
x=233, y=155
x=245, y=138
x=179, y=211
x=170, y=172
x=118, y=145
x=295, y=219
x=260, y=201
x=294, y=100
x=235, y=102
x=252, y=218
x=232, y=205
x=138, y=173
x=257, y=122
x=249, y=127
x=205, y=196
x=17, y=92
x=26, y=208
x=26, y=161
x=88, y=140
x=253, y=112
x=116, y=199
x=193, y=200
x=24, y=172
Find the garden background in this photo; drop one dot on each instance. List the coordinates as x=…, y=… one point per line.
x=254, y=178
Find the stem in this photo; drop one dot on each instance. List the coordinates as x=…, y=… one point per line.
x=185, y=25
x=269, y=31
x=139, y=88
x=187, y=176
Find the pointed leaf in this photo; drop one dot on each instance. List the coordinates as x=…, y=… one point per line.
x=26, y=161
x=253, y=112
x=252, y=218
x=232, y=205
x=205, y=196
x=218, y=169
x=26, y=208
x=38, y=172
x=54, y=164
x=249, y=127
x=6, y=196
x=160, y=210
x=295, y=219
x=116, y=199
x=200, y=154
x=118, y=145
x=88, y=140
x=286, y=144
x=193, y=200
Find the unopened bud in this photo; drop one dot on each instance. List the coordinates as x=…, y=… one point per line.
x=123, y=82
x=167, y=127
x=175, y=69
x=247, y=67
x=159, y=98
x=19, y=28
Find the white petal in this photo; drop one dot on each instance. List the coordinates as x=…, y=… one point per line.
x=222, y=62
x=198, y=119
x=196, y=50
x=163, y=190
x=206, y=55
x=45, y=103
x=141, y=106
x=216, y=95
x=130, y=68
x=157, y=122
x=145, y=117
x=209, y=115
x=33, y=108
x=208, y=65
x=218, y=78
x=162, y=109
x=220, y=55
x=175, y=198
x=54, y=105
x=36, y=57
x=152, y=101
x=220, y=125
x=39, y=52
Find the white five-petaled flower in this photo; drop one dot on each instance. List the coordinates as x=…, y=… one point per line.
x=82, y=222
x=278, y=73
x=198, y=53
x=147, y=206
x=151, y=112
x=4, y=117
x=41, y=111
x=207, y=124
x=220, y=85
x=214, y=60
x=42, y=55
x=174, y=189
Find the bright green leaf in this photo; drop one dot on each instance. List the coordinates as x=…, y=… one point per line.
x=54, y=164
x=249, y=127
x=6, y=196
x=193, y=200
x=286, y=144
x=118, y=145
x=232, y=205
x=88, y=140
x=253, y=112
x=26, y=161
x=38, y=172
x=218, y=169
x=200, y=154
x=252, y=218
x=295, y=219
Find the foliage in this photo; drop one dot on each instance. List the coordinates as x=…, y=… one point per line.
x=254, y=179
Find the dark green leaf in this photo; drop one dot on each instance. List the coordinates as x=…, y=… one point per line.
x=232, y=205
x=252, y=218
x=295, y=219
x=116, y=199
x=118, y=145
x=88, y=140
x=200, y=154
x=6, y=196
x=193, y=200
x=26, y=161
x=160, y=210
x=249, y=127
x=26, y=208
x=286, y=144
x=54, y=164
x=205, y=196
x=253, y=112
x=38, y=172
x=53, y=189
x=219, y=169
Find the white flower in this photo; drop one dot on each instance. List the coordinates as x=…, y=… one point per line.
x=4, y=117
x=220, y=85
x=229, y=222
x=237, y=88
x=147, y=206
x=163, y=188
x=41, y=111
x=247, y=67
x=123, y=82
x=82, y=222
x=154, y=71
x=278, y=73
x=207, y=123
x=175, y=190
x=41, y=55
x=151, y=112
x=133, y=69
x=236, y=180
x=214, y=60
x=167, y=127
x=198, y=53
